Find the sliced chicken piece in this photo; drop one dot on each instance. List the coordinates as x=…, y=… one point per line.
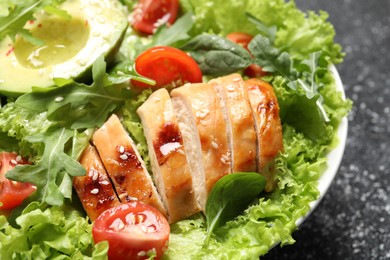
x=124, y=165
x=168, y=159
x=203, y=127
x=239, y=119
x=265, y=109
x=95, y=190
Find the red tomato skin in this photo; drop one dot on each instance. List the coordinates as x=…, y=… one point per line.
x=133, y=240
x=254, y=71
x=12, y=193
x=167, y=66
x=146, y=14
x=243, y=39
x=240, y=38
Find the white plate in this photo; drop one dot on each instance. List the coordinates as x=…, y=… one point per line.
x=334, y=157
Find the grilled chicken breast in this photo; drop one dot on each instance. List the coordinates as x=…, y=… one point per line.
x=199, y=114
x=268, y=126
x=171, y=171
x=124, y=165
x=95, y=190
x=239, y=121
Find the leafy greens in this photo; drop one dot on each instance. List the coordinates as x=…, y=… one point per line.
x=15, y=14
x=301, y=47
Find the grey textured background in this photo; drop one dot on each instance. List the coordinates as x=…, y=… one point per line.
x=353, y=220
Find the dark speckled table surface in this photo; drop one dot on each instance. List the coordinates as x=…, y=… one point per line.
x=353, y=219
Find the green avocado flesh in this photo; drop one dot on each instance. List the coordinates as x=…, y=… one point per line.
x=57, y=48
x=70, y=45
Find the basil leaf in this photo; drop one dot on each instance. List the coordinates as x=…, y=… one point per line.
x=230, y=196
x=216, y=55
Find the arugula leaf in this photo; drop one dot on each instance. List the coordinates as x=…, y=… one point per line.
x=17, y=14
x=280, y=63
x=17, y=17
x=175, y=33
x=230, y=196
x=217, y=55
x=84, y=106
x=269, y=32
x=125, y=71
x=52, y=174
x=134, y=44
x=310, y=85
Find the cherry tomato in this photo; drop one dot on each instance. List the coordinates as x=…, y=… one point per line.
x=132, y=230
x=243, y=39
x=240, y=38
x=167, y=66
x=12, y=193
x=150, y=14
x=254, y=71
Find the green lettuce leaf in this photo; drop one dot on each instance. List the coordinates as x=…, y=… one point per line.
x=17, y=123
x=49, y=233
x=297, y=33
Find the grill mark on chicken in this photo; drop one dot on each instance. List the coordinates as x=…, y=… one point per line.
x=95, y=189
x=104, y=197
x=169, y=140
x=124, y=165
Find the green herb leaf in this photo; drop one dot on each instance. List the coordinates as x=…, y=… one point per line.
x=83, y=106
x=230, y=196
x=17, y=14
x=8, y=143
x=52, y=174
x=174, y=34
x=57, y=11
x=269, y=32
x=280, y=63
x=270, y=58
x=217, y=55
x=17, y=17
x=125, y=71
x=134, y=44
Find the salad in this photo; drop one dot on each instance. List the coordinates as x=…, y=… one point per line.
x=68, y=67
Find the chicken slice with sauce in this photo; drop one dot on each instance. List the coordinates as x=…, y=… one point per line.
x=268, y=126
x=124, y=165
x=171, y=171
x=203, y=127
x=95, y=190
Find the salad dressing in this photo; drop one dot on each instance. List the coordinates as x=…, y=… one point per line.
x=62, y=40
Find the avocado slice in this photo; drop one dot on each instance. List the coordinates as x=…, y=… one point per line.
x=95, y=28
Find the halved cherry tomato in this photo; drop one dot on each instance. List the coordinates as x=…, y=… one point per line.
x=12, y=193
x=132, y=230
x=150, y=14
x=167, y=66
x=243, y=39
